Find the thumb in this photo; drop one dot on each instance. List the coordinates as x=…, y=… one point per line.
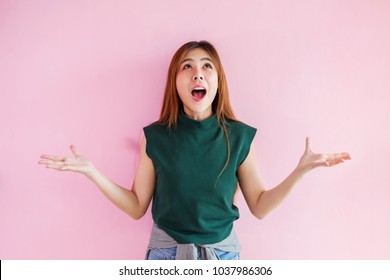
x=308, y=145
x=74, y=150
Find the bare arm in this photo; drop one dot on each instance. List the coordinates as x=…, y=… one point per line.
x=261, y=201
x=133, y=202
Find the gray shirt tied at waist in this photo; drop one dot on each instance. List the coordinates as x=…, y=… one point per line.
x=160, y=239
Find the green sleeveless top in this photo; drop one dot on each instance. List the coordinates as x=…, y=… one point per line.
x=190, y=203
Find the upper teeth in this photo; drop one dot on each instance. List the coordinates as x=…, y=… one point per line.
x=198, y=88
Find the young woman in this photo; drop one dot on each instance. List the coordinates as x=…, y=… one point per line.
x=191, y=162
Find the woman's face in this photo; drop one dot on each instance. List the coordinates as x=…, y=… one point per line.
x=197, y=84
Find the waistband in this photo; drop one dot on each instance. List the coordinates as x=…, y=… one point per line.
x=160, y=239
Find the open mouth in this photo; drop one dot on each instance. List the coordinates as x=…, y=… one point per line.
x=198, y=93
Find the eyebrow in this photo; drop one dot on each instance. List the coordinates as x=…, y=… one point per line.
x=191, y=59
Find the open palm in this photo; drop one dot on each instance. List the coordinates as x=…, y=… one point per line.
x=310, y=160
x=78, y=163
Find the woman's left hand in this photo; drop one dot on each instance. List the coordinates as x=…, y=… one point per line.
x=310, y=160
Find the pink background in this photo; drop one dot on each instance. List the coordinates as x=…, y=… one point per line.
x=92, y=73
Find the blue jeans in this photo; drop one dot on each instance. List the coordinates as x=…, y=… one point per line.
x=170, y=253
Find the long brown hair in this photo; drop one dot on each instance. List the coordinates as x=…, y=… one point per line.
x=221, y=105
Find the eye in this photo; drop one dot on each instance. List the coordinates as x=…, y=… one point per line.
x=208, y=65
x=186, y=66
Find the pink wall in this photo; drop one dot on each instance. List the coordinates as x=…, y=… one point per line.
x=92, y=73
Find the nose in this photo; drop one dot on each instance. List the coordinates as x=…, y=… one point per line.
x=198, y=76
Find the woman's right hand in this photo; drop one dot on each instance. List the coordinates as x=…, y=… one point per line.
x=77, y=164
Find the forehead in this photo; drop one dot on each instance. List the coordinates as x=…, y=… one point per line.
x=197, y=54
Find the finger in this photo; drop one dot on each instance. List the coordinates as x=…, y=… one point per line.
x=61, y=166
x=55, y=158
x=58, y=167
x=72, y=163
x=308, y=145
x=45, y=161
x=74, y=150
x=345, y=156
x=341, y=154
x=335, y=162
x=53, y=165
x=52, y=162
